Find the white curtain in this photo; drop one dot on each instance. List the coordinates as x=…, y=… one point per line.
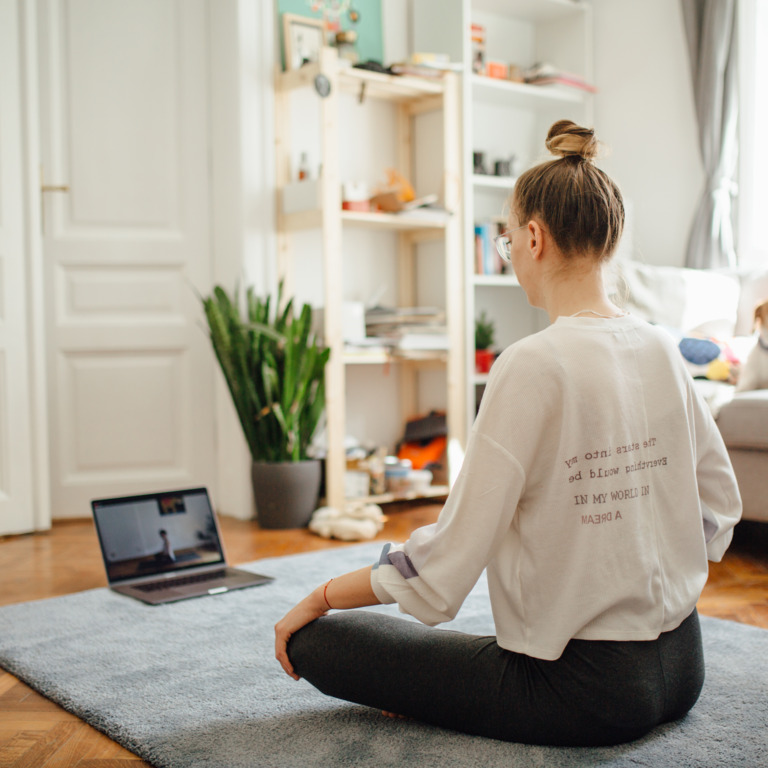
x=711, y=30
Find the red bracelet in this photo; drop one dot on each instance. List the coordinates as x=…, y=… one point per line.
x=325, y=595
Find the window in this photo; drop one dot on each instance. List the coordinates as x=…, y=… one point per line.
x=753, y=149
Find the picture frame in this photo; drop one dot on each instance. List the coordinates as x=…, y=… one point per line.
x=303, y=37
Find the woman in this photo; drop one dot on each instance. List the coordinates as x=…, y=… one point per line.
x=594, y=488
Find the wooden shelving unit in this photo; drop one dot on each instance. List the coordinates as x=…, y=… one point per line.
x=409, y=97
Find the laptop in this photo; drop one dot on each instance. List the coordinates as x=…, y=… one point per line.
x=164, y=547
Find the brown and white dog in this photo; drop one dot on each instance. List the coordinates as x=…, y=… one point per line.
x=754, y=372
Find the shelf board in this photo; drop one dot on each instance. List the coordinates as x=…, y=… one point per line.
x=532, y=10
x=503, y=183
x=367, y=358
x=498, y=281
x=506, y=93
x=377, y=85
x=384, y=358
x=399, y=88
x=434, y=491
x=402, y=221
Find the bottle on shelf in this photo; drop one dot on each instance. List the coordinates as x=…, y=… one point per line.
x=303, y=167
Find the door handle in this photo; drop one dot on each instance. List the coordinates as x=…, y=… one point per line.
x=47, y=188
x=54, y=188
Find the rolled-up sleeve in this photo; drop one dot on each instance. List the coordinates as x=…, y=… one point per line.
x=719, y=495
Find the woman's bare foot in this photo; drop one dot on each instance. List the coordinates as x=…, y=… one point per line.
x=393, y=715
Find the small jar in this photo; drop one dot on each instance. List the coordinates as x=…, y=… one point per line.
x=376, y=469
x=396, y=474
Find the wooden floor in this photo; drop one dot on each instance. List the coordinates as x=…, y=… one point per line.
x=35, y=733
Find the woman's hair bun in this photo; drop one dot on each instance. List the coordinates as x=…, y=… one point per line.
x=566, y=139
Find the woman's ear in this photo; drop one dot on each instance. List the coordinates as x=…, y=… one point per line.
x=535, y=233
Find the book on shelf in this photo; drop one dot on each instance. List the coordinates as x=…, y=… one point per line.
x=477, y=38
x=402, y=316
x=487, y=259
x=564, y=80
x=426, y=65
x=547, y=74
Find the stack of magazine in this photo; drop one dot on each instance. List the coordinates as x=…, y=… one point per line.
x=408, y=329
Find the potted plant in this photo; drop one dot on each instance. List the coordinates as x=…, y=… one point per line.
x=275, y=372
x=484, y=338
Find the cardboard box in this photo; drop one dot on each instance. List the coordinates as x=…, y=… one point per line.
x=352, y=321
x=497, y=69
x=300, y=196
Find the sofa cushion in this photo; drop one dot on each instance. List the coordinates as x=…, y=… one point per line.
x=743, y=421
x=689, y=300
x=754, y=291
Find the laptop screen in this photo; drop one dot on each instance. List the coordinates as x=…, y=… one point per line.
x=156, y=533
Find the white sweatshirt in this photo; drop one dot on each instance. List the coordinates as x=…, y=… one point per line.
x=594, y=488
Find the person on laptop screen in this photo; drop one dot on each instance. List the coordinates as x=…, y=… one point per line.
x=166, y=554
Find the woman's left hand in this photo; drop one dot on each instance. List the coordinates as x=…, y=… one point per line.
x=312, y=607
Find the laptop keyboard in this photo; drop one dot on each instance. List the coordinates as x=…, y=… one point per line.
x=155, y=585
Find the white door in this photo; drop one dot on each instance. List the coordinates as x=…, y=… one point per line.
x=124, y=113
x=16, y=500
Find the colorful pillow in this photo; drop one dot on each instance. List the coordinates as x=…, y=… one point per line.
x=709, y=358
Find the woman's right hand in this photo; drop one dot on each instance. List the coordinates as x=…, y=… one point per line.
x=352, y=590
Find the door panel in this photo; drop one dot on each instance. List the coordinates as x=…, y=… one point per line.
x=127, y=59
x=124, y=114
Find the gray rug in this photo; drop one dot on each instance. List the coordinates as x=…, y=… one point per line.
x=195, y=684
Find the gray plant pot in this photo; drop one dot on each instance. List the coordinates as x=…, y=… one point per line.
x=285, y=493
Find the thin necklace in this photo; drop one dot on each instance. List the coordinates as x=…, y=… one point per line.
x=599, y=314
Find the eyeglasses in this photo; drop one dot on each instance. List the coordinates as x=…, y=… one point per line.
x=504, y=244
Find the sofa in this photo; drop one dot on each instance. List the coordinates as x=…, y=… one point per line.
x=716, y=305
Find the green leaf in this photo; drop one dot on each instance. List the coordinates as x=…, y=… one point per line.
x=273, y=368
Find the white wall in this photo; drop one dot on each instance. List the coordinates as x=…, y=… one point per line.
x=645, y=114
x=242, y=37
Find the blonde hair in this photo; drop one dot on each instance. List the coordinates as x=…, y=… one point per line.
x=580, y=204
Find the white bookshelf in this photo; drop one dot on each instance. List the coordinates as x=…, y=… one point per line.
x=504, y=118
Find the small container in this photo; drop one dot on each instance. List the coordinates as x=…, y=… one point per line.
x=396, y=474
x=355, y=196
x=484, y=359
x=357, y=484
x=420, y=480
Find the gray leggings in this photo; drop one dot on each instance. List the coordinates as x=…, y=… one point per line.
x=597, y=693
